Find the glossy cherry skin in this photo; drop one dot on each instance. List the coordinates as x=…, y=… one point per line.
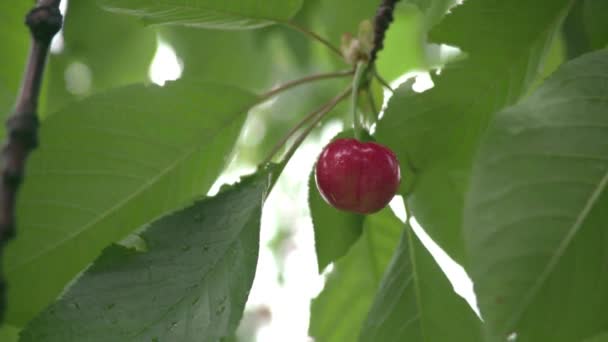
x=360, y=177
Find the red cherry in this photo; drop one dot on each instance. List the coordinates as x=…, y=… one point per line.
x=360, y=177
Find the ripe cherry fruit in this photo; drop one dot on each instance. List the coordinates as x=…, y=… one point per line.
x=360, y=177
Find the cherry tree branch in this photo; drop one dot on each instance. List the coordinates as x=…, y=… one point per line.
x=383, y=19
x=44, y=21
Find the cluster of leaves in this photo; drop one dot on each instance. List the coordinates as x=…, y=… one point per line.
x=508, y=172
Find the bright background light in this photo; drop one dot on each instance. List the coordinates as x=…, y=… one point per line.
x=166, y=66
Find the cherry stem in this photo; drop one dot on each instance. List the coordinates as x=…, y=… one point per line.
x=316, y=115
x=372, y=102
x=315, y=36
x=308, y=79
x=383, y=81
x=359, y=71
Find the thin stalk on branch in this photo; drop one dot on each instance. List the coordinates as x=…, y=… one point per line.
x=383, y=82
x=316, y=116
x=44, y=21
x=316, y=37
x=308, y=79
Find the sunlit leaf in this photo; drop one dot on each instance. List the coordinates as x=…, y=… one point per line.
x=226, y=15
x=107, y=165
x=191, y=284
x=341, y=308
x=436, y=132
x=416, y=301
x=536, y=213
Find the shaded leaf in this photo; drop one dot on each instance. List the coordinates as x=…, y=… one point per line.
x=190, y=285
x=436, y=132
x=536, y=214
x=574, y=31
x=107, y=165
x=349, y=291
x=596, y=14
x=225, y=15
x=416, y=301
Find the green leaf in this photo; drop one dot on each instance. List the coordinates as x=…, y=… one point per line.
x=433, y=10
x=416, y=302
x=107, y=165
x=436, y=132
x=574, y=31
x=241, y=58
x=595, y=15
x=95, y=59
x=334, y=26
x=603, y=337
x=536, y=214
x=190, y=285
x=585, y=28
x=9, y=333
x=15, y=38
x=224, y=15
x=403, y=47
x=335, y=230
x=351, y=286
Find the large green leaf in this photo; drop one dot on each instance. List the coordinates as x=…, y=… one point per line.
x=95, y=59
x=536, y=213
x=349, y=291
x=226, y=15
x=416, y=301
x=436, y=132
x=15, y=38
x=107, y=165
x=191, y=284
